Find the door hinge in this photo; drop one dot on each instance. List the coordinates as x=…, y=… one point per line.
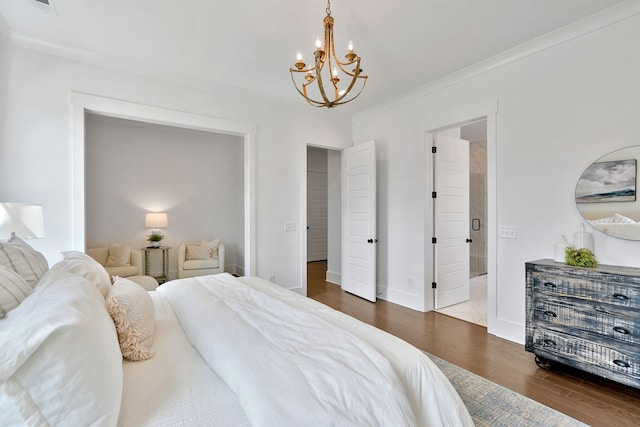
x=434, y=285
x=434, y=149
x=433, y=195
x=434, y=240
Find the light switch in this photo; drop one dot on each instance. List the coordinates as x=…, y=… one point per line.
x=507, y=232
x=289, y=226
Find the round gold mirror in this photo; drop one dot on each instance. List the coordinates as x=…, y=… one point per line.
x=606, y=194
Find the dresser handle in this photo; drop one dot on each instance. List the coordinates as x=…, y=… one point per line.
x=621, y=363
x=548, y=343
x=621, y=297
x=550, y=313
x=621, y=330
x=549, y=285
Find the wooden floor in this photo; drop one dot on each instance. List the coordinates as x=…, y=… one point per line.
x=585, y=397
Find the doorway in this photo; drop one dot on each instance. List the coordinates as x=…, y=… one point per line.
x=323, y=213
x=83, y=104
x=317, y=204
x=474, y=309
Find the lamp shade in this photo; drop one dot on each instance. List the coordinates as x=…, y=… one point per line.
x=156, y=220
x=26, y=221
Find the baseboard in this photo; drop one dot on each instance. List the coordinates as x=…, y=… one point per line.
x=507, y=330
x=234, y=269
x=402, y=298
x=333, y=277
x=239, y=270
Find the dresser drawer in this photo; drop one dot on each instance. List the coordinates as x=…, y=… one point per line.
x=571, y=317
x=587, y=355
x=618, y=294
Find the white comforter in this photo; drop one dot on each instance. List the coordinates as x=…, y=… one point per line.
x=292, y=361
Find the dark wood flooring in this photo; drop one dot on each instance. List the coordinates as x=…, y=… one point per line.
x=585, y=397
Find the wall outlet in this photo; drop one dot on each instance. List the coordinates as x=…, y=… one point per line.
x=289, y=226
x=507, y=232
x=410, y=283
x=271, y=278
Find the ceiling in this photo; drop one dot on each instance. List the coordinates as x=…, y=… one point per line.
x=252, y=43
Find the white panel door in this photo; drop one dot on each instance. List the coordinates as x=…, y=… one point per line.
x=359, y=220
x=451, y=221
x=317, y=210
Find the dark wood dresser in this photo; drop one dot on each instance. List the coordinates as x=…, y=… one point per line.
x=588, y=318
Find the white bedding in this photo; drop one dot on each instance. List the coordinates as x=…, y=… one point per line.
x=175, y=386
x=277, y=372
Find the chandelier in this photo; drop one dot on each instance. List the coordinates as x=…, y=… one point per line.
x=326, y=91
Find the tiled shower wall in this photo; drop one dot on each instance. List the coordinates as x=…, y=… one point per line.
x=478, y=207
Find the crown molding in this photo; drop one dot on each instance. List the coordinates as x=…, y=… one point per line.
x=572, y=31
x=129, y=66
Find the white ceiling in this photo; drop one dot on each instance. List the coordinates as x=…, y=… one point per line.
x=252, y=43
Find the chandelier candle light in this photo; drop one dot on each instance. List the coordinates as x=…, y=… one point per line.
x=327, y=56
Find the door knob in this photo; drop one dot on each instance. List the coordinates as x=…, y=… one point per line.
x=372, y=241
x=469, y=240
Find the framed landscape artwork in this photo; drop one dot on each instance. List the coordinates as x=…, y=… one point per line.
x=613, y=181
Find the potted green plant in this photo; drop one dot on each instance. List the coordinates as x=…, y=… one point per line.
x=582, y=257
x=155, y=238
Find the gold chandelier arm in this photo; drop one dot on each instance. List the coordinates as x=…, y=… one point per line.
x=341, y=66
x=303, y=92
x=351, y=85
x=337, y=101
x=321, y=85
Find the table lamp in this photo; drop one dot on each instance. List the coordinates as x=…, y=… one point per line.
x=21, y=220
x=156, y=221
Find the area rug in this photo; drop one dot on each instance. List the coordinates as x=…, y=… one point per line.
x=492, y=405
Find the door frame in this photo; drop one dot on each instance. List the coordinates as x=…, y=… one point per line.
x=303, y=214
x=446, y=119
x=82, y=103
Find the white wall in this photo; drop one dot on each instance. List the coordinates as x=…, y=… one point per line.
x=196, y=177
x=4, y=87
x=559, y=110
x=37, y=143
x=334, y=250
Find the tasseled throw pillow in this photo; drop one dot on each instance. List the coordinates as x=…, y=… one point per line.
x=132, y=311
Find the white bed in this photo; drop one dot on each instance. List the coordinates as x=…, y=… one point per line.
x=226, y=351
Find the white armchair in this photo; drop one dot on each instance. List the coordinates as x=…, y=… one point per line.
x=195, y=259
x=131, y=267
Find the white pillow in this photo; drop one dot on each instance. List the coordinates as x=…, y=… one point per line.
x=621, y=219
x=13, y=289
x=132, y=311
x=17, y=255
x=615, y=219
x=60, y=363
x=81, y=264
x=197, y=252
x=119, y=255
x=213, y=247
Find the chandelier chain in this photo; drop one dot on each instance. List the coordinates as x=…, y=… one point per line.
x=328, y=9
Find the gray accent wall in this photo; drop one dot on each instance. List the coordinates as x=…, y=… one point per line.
x=195, y=176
